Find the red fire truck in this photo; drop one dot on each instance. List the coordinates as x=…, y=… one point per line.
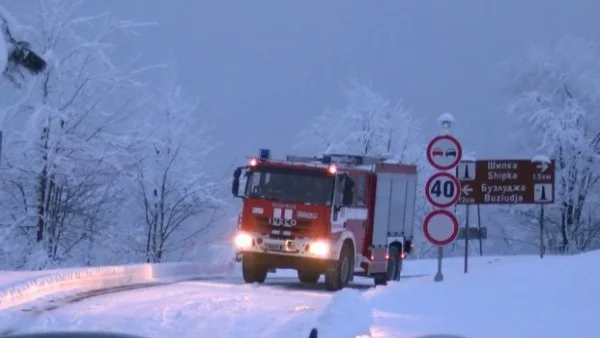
x=337, y=215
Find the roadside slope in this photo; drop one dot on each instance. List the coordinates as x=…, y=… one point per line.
x=522, y=296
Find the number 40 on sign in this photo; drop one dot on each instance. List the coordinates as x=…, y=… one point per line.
x=442, y=190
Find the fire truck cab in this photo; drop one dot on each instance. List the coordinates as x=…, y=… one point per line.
x=337, y=215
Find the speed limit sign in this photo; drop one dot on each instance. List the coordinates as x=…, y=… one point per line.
x=442, y=190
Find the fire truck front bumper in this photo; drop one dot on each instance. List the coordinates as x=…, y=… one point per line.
x=278, y=261
x=285, y=254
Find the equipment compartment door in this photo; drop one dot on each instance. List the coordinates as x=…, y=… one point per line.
x=383, y=197
x=402, y=202
x=357, y=214
x=394, y=207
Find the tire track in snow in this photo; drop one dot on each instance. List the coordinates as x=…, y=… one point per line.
x=292, y=307
x=32, y=312
x=273, y=311
x=298, y=323
x=37, y=310
x=192, y=309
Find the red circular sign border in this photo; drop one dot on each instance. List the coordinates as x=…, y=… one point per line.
x=459, y=152
x=454, y=231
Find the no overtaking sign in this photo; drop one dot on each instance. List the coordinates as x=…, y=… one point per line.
x=444, y=152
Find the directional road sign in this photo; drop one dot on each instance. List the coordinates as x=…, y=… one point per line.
x=442, y=190
x=506, y=182
x=440, y=227
x=444, y=152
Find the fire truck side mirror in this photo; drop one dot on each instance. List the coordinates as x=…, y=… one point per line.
x=235, y=185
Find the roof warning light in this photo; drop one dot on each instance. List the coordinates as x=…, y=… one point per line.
x=264, y=154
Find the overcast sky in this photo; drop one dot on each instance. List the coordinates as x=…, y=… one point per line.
x=263, y=69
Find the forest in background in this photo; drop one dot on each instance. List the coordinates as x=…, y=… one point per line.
x=99, y=167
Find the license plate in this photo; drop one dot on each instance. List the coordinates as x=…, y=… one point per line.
x=274, y=246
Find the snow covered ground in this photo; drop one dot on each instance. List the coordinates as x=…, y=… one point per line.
x=500, y=297
x=517, y=297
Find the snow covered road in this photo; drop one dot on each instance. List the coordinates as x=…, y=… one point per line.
x=281, y=307
x=500, y=297
x=223, y=308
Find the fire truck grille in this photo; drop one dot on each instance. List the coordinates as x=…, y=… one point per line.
x=299, y=229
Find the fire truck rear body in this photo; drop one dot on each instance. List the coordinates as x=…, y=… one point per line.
x=327, y=211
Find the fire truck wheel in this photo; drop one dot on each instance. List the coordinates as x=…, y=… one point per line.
x=338, y=277
x=308, y=276
x=394, y=264
x=394, y=267
x=253, y=272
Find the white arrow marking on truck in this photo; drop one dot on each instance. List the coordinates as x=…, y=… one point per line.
x=467, y=189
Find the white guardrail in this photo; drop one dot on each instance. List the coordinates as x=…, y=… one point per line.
x=72, y=281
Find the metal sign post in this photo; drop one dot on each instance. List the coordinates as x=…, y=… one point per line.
x=466, y=268
x=542, y=164
x=442, y=190
x=480, y=231
x=440, y=228
x=439, y=276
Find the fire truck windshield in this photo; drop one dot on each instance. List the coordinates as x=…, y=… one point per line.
x=290, y=185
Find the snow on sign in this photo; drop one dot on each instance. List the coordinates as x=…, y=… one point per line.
x=440, y=227
x=442, y=190
x=444, y=152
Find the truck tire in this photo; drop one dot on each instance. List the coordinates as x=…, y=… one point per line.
x=394, y=264
x=308, y=276
x=339, y=276
x=394, y=267
x=252, y=271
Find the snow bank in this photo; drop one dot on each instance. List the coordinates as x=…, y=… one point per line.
x=348, y=315
x=510, y=297
x=88, y=279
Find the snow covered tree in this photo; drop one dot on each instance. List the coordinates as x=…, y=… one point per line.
x=63, y=154
x=370, y=124
x=556, y=109
x=178, y=199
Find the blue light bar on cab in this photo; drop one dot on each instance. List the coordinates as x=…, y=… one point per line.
x=326, y=159
x=264, y=154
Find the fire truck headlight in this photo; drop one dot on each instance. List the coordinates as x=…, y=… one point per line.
x=243, y=240
x=319, y=248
